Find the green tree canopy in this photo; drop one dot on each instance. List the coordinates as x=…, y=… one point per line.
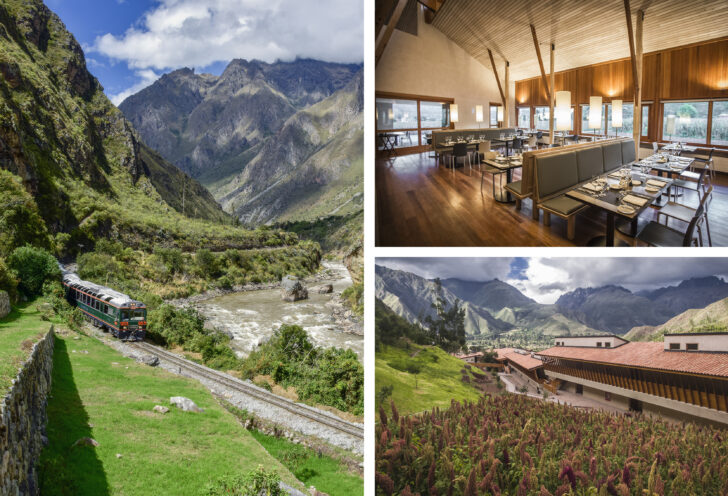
x=448, y=327
x=20, y=222
x=34, y=266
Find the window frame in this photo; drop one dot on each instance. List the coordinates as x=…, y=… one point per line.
x=530, y=116
x=709, y=127
x=420, y=146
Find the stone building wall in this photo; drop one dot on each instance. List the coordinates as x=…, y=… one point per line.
x=23, y=421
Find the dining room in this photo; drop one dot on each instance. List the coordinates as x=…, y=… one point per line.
x=567, y=123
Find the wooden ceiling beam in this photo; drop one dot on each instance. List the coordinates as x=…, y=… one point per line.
x=540, y=62
x=630, y=35
x=391, y=24
x=497, y=79
x=432, y=7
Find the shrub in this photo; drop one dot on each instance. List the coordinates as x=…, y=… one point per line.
x=255, y=483
x=174, y=326
x=20, y=222
x=34, y=266
x=8, y=280
x=206, y=264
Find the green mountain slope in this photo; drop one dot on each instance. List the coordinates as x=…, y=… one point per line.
x=87, y=170
x=713, y=318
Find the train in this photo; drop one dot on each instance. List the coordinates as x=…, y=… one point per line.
x=106, y=308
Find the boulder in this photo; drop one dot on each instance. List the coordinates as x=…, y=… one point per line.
x=148, y=359
x=4, y=304
x=86, y=441
x=292, y=289
x=325, y=289
x=160, y=409
x=185, y=404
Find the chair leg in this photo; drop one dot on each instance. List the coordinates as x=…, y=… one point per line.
x=707, y=229
x=535, y=214
x=570, y=227
x=518, y=204
x=546, y=218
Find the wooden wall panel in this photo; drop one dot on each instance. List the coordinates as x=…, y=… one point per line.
x=699, y=71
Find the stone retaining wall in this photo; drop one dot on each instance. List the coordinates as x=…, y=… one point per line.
x=4, y=304
x=23, y=421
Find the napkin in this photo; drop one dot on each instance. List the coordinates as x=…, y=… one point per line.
x=592, y=187
x=616, y=175
x=655, y=183
x=635, y=200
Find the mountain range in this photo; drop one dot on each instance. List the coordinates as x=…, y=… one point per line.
x=272, y=142
x=85, y=166
x=495, y=310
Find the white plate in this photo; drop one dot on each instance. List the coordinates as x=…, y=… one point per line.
x=615, y=186
x=626, y=209
x=636, y=183
x=651, y=189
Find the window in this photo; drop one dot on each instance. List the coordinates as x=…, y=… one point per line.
x=585, y=129
x=627, y=128
x=579, y=389
x=125, y=315
x=599, y=344
x=493, y=115
x=607, y=345
x=690, y=121
x=674, y=346
x=524, y=117
x=719, y=124
x=691, y=346
x=541, y=118
x=608, y=396
x=400, y=121
x=556, y=119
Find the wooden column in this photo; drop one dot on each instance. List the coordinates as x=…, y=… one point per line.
x=540, y=61
x=506, y=108
x=497, y=79
x=551, y=98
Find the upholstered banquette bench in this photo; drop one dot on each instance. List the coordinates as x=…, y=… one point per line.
x=549, y=174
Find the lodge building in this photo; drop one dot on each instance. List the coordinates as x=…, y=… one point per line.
x=685, y=377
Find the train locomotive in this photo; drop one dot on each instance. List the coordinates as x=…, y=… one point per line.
x=110, y=310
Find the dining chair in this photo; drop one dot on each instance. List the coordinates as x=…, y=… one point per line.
x=656, y=234
x=691, y=174
x=684, y=213
x=655, y=147
x=683, y=184
x=460, y=151
x=517, y=145
x=539, y=138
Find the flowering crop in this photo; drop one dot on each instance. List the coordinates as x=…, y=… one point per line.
x=511, y=444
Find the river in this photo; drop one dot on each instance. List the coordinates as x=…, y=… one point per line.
x=252, y=316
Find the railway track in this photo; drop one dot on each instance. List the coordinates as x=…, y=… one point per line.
x=235, y=384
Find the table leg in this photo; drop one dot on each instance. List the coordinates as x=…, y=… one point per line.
x=660, y=201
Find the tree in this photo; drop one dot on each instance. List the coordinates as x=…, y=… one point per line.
x=687, y=110
x=414, y=369
x=448, y=328
x=34, y=266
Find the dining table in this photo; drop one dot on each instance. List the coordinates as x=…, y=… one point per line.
x=680, y=147
x=507, y=140
x=665, y=166
x=623, y=193
x=504, y=165
x=447, y=146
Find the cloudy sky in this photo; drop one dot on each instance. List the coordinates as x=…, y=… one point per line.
x=545, y=279
x=131, y=43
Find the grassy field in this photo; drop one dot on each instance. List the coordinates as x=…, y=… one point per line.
x=100, y=394
x=323, y=472
x=438, y=381
x=21, y=328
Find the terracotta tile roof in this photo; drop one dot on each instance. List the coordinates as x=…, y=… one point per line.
x=502, y=352
x=523, y=361
x=648, y=355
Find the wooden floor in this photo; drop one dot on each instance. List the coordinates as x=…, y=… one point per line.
x=421, y=204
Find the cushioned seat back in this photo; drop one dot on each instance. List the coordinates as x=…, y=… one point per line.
x=556, y=173
x=590, y=162
x=612, y=156
x=628, y=152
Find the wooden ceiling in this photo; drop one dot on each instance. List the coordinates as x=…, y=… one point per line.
x=585, y=32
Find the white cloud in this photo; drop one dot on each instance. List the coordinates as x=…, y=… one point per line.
x=542, y=282
x=146, y=78
x=197, y=33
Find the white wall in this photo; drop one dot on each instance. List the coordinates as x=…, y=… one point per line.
x=705, y=342
x=591, y=341
x=431, y=64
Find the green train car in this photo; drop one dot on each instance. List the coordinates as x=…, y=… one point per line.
x=110, y=310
